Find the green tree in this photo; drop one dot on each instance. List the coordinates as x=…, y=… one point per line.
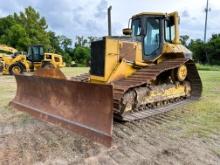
x=55, y=42
x=15, y=36
x=23, y=29
x=6, y=23
x=82, y=52
x=68, y=51
x=198, y=49
x=65, y=42
x=81, y=41
x=26, y=28
x=67, y=58
x=213, y=49
x=35, y=26
x=82, y=55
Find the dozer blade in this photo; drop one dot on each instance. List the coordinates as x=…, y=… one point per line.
x=84, y=108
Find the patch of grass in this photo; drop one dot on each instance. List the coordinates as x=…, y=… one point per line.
x=217, y=152
x=7, y=89
x=73, y=71
x=8, y=115
x=201, y=118
x=208, y=67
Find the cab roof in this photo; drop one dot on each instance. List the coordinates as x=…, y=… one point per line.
x=149, y=14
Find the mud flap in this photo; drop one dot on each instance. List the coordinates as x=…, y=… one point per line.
x=84, y=108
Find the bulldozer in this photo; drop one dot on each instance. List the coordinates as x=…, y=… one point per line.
x=145, y=72
x=14, y=62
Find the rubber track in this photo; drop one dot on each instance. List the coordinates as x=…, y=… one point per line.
x=144, y=77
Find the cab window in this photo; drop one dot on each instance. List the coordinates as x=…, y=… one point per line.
x=41, y=51
x=152, y=37
x=169, y=29
x=57, y=59
x=35, y=54
x=48, y=57
x=136, y=27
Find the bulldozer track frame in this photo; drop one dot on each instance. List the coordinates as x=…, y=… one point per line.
x=145, y=77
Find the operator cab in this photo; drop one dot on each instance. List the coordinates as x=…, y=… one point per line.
x=35, y=53
x=153, y=30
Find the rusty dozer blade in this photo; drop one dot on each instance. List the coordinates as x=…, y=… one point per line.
x=84, y=108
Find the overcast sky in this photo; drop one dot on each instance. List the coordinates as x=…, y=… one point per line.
x=88, y=17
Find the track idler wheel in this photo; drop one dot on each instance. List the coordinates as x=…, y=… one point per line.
x=180, y=73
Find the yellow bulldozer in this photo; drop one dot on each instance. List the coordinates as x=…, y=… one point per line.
x=143, y=73
x=14, y=62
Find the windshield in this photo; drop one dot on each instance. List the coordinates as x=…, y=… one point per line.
x=35, y=53
x=136, y=27
x=152, y=39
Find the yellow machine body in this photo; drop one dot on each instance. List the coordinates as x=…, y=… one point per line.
x=117, y=66
x=55, y=60
x=8, y=61
x=17, y=62
x=123, y=58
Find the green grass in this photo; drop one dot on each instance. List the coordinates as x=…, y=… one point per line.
x=202, y=118
x=208, y=67
x=207, y=111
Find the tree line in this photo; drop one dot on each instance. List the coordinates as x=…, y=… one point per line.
x=26, y=28
x=204, y=53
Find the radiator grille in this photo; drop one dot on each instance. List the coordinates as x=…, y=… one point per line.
x=97, y=58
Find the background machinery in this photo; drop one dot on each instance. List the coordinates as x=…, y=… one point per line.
x=144, y=73
x=18, y=62
x=4, y=51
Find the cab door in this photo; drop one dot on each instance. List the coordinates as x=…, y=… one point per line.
x=153, y=38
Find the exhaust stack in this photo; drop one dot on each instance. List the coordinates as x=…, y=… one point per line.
x=109, y=21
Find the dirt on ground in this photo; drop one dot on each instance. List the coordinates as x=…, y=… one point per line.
x=144, y=142
x=157, y=140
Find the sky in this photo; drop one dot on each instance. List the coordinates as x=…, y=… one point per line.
x=88, y=17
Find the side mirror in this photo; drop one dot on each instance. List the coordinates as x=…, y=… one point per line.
x=127, y=31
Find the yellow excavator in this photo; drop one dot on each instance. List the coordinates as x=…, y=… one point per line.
x=143, y=73
x=14, y=62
